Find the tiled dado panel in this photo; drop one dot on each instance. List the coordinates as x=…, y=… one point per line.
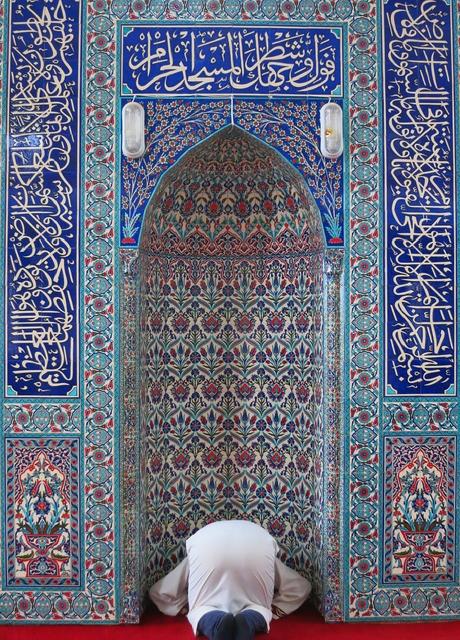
x=419, y=508
x=42, y=500
x=56, y=519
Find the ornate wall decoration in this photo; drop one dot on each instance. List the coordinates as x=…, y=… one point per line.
x=363, y=161
x=260, y=211
x=419, y=509
x=226, y=60
x=100, y=348
x=231, y=335
x=45, y=418
x=420, y=334
x=330, y=456
x=420, y=416
x=43, y=165
x=362, y=344
x=52, y=109
x=133, y=501
x=173, y=127
x=237, y=442
x=291, y=127
x=108, y=562
x=42, y=513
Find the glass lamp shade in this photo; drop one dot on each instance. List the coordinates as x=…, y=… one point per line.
x=331, y=121
x=133, y=135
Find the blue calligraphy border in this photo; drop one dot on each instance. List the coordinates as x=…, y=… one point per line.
x=384, y=398
x=72, y=173
x=3, y=151
x=125, y=29
x=389, y=391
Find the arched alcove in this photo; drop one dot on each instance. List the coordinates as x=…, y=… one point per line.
x=231, y=356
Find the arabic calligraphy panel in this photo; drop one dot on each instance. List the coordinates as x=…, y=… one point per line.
x=223, y=60
x=420, y=199
x=42, y=199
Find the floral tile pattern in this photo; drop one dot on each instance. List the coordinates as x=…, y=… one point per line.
x=231, y=397
x=43, y=513
x=291, y=127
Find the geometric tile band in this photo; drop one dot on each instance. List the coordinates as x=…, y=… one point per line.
x=42, y=418
x=42, y=512
x=419, y=509
x=420, y=416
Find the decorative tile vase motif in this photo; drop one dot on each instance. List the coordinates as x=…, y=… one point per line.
x=419, y=533
x=42, y=507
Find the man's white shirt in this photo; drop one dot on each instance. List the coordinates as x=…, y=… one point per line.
x=231, y=566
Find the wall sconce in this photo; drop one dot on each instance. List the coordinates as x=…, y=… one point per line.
x=133, y=133
x=331, y=121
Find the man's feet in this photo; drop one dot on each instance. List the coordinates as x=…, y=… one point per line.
x=248, y=623
x=243, y=631
x=225, y=628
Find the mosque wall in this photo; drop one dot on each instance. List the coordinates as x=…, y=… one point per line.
x=73, y=210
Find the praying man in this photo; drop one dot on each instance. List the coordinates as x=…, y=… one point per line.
x=231, y=582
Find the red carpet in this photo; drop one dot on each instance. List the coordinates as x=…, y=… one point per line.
x=306, y=625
